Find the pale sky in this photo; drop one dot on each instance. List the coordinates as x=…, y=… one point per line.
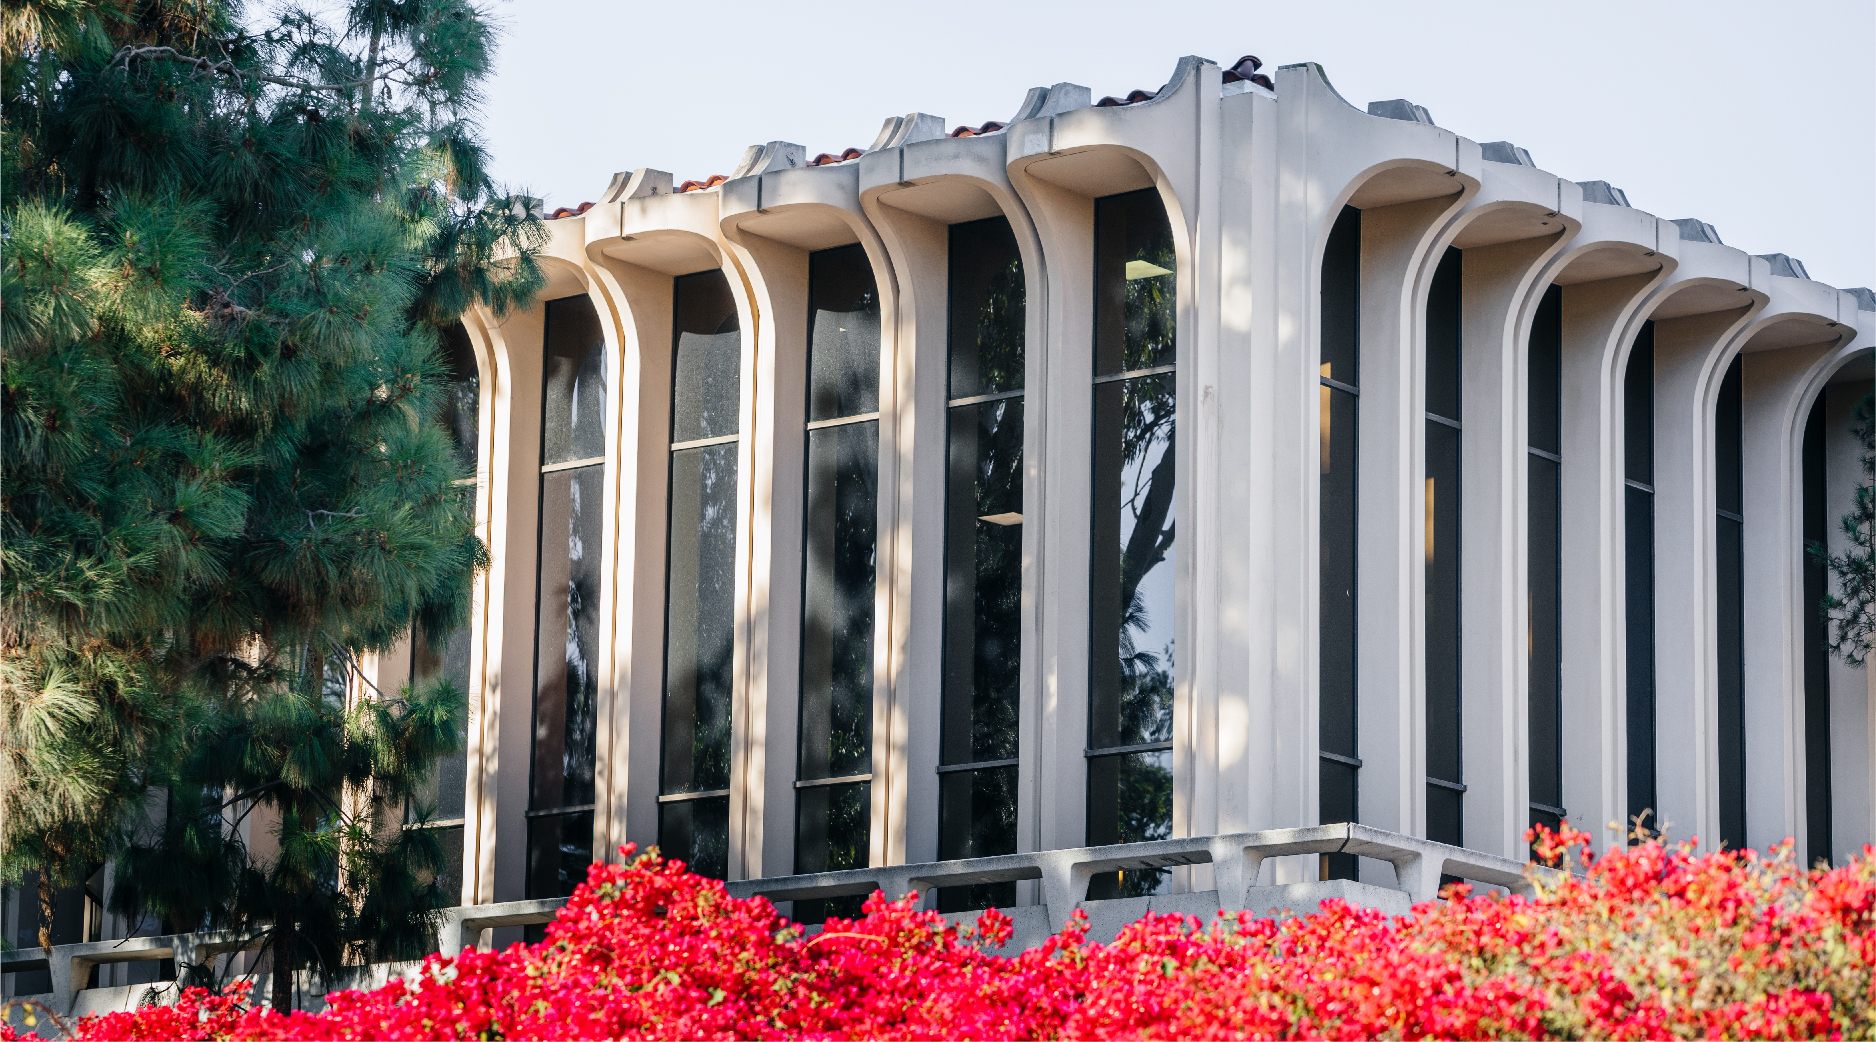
x=1758, y=118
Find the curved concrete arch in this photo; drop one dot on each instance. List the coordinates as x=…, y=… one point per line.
x=912, y=194
x=1510, y=235
x=635, y=248
x=770, y=220
x=1057, y=190
x=1619, y=257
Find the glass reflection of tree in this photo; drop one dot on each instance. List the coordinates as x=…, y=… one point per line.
x=1147, y=475
x=999, y=548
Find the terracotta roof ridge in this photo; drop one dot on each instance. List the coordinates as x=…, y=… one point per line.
x=1245, y=68
x=829, y=159
x=569, y=211
x=988, y=128
x=697, y=186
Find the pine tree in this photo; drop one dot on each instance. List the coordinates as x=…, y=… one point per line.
x=228, y=247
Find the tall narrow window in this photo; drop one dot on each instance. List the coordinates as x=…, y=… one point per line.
x=1638, y=468
x=566, y=634
x=1445, y=774
x=1339, y=747
x=439, y=802
x=1730, y=571
x=983, y=556
x=1816, y=530
x=1544, y=641
x=700, y=575
x=834, y=766
x=1131, y=585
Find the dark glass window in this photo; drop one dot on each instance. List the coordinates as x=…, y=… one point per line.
x=1131, y=585
x=1638, y=419
x=566, y=635
x=1544, y=517
x=700, y=593
x=983, y=556
x=1816, y=529
x=1445, y=769
x=1339, y=753
x=835, y=759
x=439, y=797
x=463, y=403
x=1730, y=571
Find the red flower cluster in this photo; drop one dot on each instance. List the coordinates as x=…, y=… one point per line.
x=1650, y=941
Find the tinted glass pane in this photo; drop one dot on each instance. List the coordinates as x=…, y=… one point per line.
x=1135, y=285
x=1816, y=529
x=567, y=638
x=1341, y=300
x=1545, y=637
x=1638, y=409
x=449, y=878
x=1442, y=602
x=1446, y=816
x=1338, y=529
x=697, y=832
x=1129, y=801
x=837, y=601
x=707, y=359
x=1729, y=568
x=442, y=791
x=1640, y=603
x=1131, y=584
x=983, y=582
x=1340, y=802
x=560, y=847
x=832, y=830
x=843, y=334
x=1730, y=547
x=462, y=404
x=1443, y=348
x=700, y=618
x=573, y=424
x=1546, y=373
x=987, y=309
x=977, y=818
x=1728, y=472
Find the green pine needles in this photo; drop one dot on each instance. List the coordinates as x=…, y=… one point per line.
x=229, y=245
x=1850, y=613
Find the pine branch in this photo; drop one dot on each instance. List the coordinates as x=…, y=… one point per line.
x=227, y=67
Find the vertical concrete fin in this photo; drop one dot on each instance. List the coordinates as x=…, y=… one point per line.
x=636, y=184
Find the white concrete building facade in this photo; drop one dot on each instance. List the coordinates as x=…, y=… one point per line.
x=850, y=512
x=1491, y=499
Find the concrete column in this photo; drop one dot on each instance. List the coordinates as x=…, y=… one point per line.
x=1599, y=328
x=1691, y=356
x=1499, y=295
x=1773, y=390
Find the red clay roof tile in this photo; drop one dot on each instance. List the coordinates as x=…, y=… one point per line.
x=698, y=186
x=828, y=158
x=569, y=211
x=969, y=131
x=1245, y=68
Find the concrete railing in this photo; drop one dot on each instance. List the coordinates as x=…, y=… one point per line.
x=1235, y=862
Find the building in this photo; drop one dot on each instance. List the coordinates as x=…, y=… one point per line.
x=1209, y=460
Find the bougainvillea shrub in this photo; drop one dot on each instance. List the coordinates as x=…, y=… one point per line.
x=1650, y=941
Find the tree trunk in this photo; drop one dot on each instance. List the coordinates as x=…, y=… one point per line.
x=285, y=949
x=48, y=905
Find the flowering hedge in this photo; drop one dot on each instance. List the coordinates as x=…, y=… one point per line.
x=1650, y=941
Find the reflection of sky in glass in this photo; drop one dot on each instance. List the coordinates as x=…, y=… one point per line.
x=706, y=385
x=1151, y=627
